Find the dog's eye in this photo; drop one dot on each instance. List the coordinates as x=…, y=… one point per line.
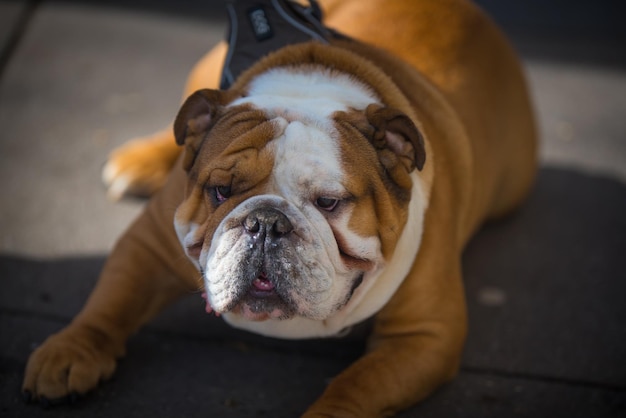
x=222, y=193
x=326, y=203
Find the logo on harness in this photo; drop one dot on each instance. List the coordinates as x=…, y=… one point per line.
x=258, y=27
x=260, y=23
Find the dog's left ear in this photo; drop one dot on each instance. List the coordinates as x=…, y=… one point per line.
x=194, y=120
x=395, y=131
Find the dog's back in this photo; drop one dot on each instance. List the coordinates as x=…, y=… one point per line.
x=458, y=48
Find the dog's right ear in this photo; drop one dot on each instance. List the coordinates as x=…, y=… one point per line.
x=194, y=120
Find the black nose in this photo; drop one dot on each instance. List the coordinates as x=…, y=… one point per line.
x=265, y=223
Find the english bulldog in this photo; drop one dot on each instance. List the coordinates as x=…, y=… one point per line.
x=329, y=184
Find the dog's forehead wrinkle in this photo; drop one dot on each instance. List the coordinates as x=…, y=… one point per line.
x=307, y=151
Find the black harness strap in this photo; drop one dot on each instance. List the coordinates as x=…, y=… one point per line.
x=258, y=27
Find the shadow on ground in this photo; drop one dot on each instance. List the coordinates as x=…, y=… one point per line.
x=545, y=291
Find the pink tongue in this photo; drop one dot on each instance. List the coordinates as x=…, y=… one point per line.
x=261, y=283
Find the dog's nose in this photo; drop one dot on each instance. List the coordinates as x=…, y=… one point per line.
x=264, y=223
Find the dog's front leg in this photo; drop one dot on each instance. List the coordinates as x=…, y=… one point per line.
x=141, y=276
x=416, y=342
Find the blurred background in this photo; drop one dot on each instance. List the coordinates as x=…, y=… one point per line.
x=78, y=78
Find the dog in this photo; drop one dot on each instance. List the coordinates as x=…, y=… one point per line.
x=331, y=183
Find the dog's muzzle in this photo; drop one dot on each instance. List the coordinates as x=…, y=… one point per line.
x=271, y=259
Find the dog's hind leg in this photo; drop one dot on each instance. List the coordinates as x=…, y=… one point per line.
x=140, y=167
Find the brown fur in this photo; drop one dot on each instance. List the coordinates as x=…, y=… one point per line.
x=446, y=66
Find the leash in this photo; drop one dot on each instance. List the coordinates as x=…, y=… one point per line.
x=258, y=27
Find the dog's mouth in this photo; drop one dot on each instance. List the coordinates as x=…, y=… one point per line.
x=265, y=269
x=262, y=287
x=263, y=301
x=259, y=301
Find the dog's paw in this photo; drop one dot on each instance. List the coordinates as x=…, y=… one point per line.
x=65, y=367
x=139, y=167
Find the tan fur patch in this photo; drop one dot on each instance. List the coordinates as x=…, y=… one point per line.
x=234, y=154
x=380, y=201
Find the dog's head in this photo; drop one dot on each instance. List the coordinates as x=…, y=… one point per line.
x=298, y=191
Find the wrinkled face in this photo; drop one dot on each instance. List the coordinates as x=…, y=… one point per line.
x=288, y=210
